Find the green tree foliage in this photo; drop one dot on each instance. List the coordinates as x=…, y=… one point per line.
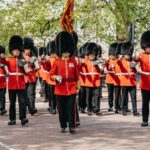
x=99, y=20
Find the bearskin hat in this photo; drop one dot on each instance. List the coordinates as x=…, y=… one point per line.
x=34, y=51
x=65, y=43
x=2, y=49
x=118, y=49
x=16, y=42
x=92, y=48
x=112, y=49
x=127, y=48
x=99, y=50
x=145, y=39
x=51, y=48
x=41, y=51
x=28, y=43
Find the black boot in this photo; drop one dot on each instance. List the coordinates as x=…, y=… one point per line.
x=72, y=131
x=110, y=109
x=24, y=121
x=53, y=111
x=12, y=122
x=144, y=124
x=3, y=112
x=98, y=113
x=124, y=113
x=135, y=113
x=63, y=130
x=33, y=112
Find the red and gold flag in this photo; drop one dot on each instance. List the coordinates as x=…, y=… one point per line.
x=67, y=20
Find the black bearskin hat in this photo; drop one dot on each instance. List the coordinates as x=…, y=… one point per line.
x=16, y=42
x=92, y=48
x=65, y=43
x=112, y=49
x=41, y=51
x=127, y=48
x=2, y=49
x=28, y=43
x=118, y=49
x=34, y=51
x=51, y=48
x=145, y=39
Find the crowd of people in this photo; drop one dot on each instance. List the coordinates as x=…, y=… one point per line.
x=70, y=78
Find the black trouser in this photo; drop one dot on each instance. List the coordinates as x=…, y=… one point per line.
x=110, y=94
x=118, y=97
x=52, y=99
x=82, y=97
x=67, y=110
x=47, y=92
x=132, y=91
x=145, y=104
x=2, y=99
x=22, y=104
x=30, y=91
x=92, y=99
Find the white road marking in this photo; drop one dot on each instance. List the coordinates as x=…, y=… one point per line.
x=5, y=146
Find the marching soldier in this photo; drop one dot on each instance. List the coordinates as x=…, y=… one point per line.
x=144, y=60
x=65, y=73
x=91, y=77
x=16, y=82
x=110, y=77
x=53, y=57
x=128, y=78
x=2, y=81
x=30, y=77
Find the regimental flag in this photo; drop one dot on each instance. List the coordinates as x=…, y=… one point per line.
x=67, y=20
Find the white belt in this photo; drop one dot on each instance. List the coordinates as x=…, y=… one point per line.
x=2, y=75
x=124, y=74
x=89, y=73
x=15, y=74
x=110, y=72
x=145, y=73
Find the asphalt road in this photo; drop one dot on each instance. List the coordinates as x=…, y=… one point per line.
x=107, y=132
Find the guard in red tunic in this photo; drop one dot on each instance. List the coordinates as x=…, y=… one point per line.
x=65, y=73
x=90, y=73
x=2, y=81
x=110, y=77
x=128, y=78
x=51, y=48
x=144, y=60
x=30, y=77
x=16, y=82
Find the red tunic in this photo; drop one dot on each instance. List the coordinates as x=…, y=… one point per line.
x=68, y=70
x=2, y=75
x=16, y=74
x=145, y=71
x=90, y=74
x=31, y=76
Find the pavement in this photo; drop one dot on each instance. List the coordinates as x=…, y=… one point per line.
x=107, y=132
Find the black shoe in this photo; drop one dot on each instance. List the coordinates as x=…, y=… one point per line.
x=63, y=130
x=116, y=111
x=3, y=112
x=82, y=111
x=72, y=131
x=12, y=122
x=124, y=113
x=136, y=113
x=98, y=113
x=89, y=113
x=78, y=124
x=24, y=121
x=53, y=112
x=144, y=124
x=110, y=109
x=128, y=110
x=33, y=112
